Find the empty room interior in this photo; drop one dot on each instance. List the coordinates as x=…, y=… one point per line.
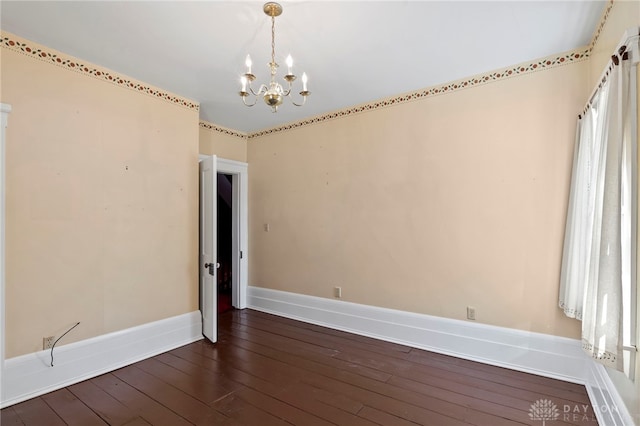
x=319, y=212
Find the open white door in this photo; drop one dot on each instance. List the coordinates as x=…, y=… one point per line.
x=208, y=256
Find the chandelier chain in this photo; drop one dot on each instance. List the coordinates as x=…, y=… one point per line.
x=273, y=39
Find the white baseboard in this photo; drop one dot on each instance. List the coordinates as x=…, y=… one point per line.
x=542, y=354
x=31, y=375
x=609, y=407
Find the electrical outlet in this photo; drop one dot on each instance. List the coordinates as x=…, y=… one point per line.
x=337, y=292
x=471, y=313
x=47, y=342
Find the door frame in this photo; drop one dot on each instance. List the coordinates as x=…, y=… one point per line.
x=5, y=109
x=240, y=226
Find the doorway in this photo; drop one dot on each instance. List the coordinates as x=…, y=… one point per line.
x=228, y=280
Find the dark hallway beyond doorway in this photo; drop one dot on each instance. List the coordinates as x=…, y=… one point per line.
x=224, y=242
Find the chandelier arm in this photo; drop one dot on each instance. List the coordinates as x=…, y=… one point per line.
x=289, y=86
x=304, y=100
x=261, y=90
x=244, y=101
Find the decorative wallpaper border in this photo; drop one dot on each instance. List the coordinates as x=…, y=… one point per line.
x=601, y=24
x=215, y=128
x=526, y=68
x=28, y=48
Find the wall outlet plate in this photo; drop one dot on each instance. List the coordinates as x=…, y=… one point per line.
x=47, y=342
x=471, y=313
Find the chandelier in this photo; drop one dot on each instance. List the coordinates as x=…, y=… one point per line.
x=273, y=93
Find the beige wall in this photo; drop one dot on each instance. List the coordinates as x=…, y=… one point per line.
x=430, y=206
x=623, y=15
x=102, y=205
x=226, y=146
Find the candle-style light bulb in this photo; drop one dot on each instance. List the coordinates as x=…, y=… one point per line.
x=248, y=62
x=304, y=81
x=243, y=80
x=289, y=62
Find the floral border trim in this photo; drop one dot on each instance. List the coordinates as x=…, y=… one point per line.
x=541, y=64
x=215, y=128
x=28, y=48
x=601, y=24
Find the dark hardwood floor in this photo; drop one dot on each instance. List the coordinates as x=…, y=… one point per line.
x=267, y=370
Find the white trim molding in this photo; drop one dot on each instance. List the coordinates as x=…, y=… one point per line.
x=608, y=405
x=240, y=173
x=31, y=375
x=5, y=109
x=542, y=354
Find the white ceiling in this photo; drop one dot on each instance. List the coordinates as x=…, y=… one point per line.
x=353, y=51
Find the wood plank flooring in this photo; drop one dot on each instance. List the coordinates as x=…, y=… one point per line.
x=267, y=370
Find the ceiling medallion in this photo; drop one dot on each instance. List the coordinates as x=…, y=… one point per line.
x=273, y=93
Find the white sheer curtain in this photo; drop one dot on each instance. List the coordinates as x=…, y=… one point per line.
x=577, y=239
x=595, y=264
